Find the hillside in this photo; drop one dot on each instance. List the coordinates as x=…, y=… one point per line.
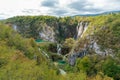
x=39, y=47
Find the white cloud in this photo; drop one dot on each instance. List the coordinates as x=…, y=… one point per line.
x=17, y=7
x=9, y=8
x=106, y=5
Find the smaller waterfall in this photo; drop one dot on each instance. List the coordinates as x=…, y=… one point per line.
x=58, y=49
x=62, y=72
x=15, y=27
x=72, y=59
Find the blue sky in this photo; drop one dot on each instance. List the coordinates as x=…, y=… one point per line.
x=10, y=8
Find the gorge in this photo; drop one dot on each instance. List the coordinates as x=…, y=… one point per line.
x=81, y=47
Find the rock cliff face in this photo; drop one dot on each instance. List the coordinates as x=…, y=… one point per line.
x=44, y=27
x=47, y=33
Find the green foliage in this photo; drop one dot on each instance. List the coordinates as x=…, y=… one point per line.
x=14, y=58
x=3, y=61
x=69, y=68
x=20, y=58
x=77, y=76
x=107, y=33
x=69, y=43
x=27, y=70
x=111, y=68
x=14, y=40
x=100, y=76
x=84, y=64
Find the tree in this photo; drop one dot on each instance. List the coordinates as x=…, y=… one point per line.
x=69, y=43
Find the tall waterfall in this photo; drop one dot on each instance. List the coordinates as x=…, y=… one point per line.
x=81, y=28
x=85, y=28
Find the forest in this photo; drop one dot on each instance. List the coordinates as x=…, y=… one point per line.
x=60, y=48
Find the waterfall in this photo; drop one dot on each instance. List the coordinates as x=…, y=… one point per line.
x=58, y=49
x=85, y=28
x=15, y=27
x=81, y=28
x=72, y=59
x=62, y=72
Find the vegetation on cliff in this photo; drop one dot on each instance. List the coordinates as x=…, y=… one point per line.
x=21, y=58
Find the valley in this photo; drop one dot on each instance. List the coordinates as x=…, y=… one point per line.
x=60, y=48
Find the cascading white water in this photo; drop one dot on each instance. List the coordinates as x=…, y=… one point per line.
x=81, y=28
x=85, y=28
x=15, y=27
x=62, y=72
x=58, y=49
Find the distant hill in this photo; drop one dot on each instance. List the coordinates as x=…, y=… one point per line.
x=103, y=13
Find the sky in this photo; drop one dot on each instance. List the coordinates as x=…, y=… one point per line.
x=10, y=8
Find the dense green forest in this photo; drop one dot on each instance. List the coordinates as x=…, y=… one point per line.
x=22, y=48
